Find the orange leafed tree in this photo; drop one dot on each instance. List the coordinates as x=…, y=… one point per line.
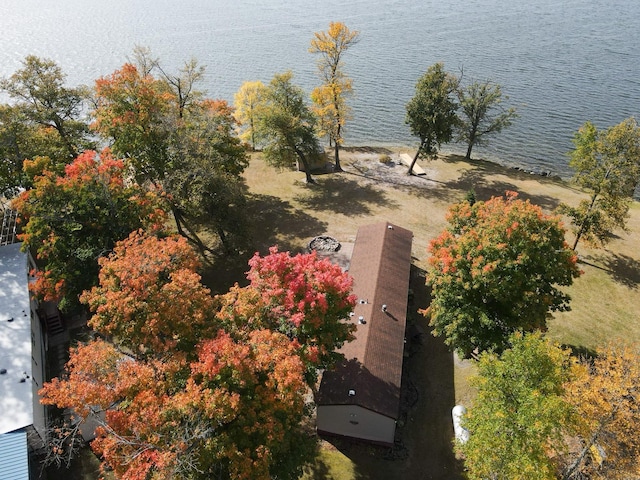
x=186, y=393
x=150, y=298
x=495, y=270
x=229, y=414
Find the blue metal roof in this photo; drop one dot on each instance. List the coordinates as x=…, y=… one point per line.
x=14, y=456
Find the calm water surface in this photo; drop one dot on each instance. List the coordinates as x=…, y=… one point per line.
x=562, y=62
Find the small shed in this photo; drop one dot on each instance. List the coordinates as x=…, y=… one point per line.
x=360, y=397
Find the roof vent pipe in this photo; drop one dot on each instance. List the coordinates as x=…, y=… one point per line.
x=384, y=307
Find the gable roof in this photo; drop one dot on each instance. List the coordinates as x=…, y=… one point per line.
x=16, y=387
x=372, y=368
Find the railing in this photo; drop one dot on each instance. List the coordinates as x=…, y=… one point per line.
x=8, y=228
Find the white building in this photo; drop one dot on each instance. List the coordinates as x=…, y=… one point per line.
x=22, y=358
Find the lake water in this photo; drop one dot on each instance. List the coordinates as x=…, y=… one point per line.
x=562, y=62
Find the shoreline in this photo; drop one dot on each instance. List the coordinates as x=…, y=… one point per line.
x=447, y=152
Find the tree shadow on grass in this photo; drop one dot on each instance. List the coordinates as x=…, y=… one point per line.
x=272, y=221
x=478, y=179
x=622, y=268
x=581, y=352
x=339, y=194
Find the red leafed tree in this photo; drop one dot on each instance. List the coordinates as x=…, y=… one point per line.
x=150, y=298
x=301, y=296
x=75, y=218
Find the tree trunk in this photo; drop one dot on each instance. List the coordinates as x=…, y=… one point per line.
x=473, y=137
x=468, y=155
x=415, y=159
x=337, y=166
x=182, y=227
x=307, y=167
x=336, y=157
x=224, y=241
x=581, y=229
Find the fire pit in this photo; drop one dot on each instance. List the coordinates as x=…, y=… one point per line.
x=324, y=243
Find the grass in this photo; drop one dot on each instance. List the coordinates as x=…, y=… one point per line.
x=288, y=212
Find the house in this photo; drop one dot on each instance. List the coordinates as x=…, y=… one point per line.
x=360, y=397
x=22, y=358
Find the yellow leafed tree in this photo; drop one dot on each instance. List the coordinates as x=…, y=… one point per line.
x=606, y=393
x=329, y=98
x=248, y=100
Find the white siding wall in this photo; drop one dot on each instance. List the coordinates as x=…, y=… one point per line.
x=38, y=359
x=356, y=422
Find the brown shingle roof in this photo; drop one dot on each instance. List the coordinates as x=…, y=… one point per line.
x=380, y=266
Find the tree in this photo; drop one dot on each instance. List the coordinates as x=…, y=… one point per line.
x=494, y=271
x=248, y=100
x=169, y=133
x=431, y=113
x=207, y=189
x=149, y=297
x=14, y=148
x=186, y=395
x=607, y=165
x=520, y=414
x=605, y=392
x=134, y=111
x=330, y=98
x=287, y=126
x=41, y=95
x=302, y=297
x=477, y=103
x=235, y=412
x=74, y=219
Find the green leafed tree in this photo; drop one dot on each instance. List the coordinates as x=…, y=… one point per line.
x=431, y=113
x=607, y=165
x=38, y=88
x=482, y=113
x=495, y=270
x=44, y=119
x=329, y=99
x=518, y=418
x=287, y=126
x=15, y=136
x=247, y=102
